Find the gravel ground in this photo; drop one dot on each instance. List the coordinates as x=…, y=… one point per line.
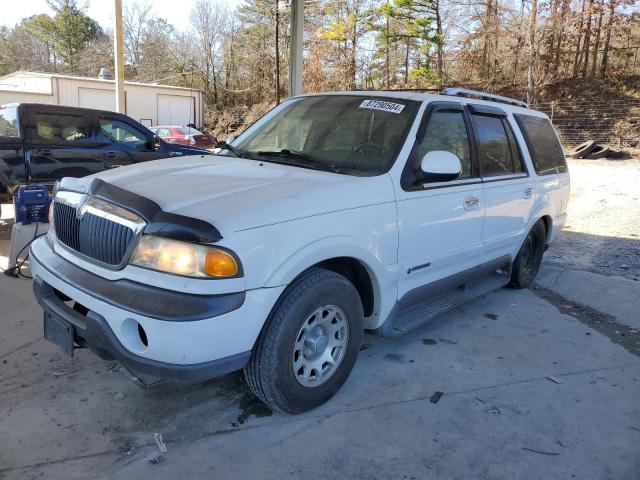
x=602, y=234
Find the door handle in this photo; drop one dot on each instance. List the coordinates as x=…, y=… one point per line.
x=110, y=154
x=44, y=151
x=471, y=203
x=528, y=193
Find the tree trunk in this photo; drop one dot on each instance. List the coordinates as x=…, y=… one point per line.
x=440, y=46
x=576, y=60
x=558, y=56
x=587, y=41
x=596, y=45
x=607, y=42
x=386, y=56
x=277, y=54
x=533, y=20
x=406, y=63
x=484, y=66
x=519, y=43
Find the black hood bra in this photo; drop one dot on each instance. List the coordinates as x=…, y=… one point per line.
x=159, y=222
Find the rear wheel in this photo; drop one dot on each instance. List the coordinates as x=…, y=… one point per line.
x=527, y=263
x=309, y=344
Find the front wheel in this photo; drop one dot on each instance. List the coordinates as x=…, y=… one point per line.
x=527, y=263
x=309, y=344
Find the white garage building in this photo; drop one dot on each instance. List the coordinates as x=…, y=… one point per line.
x=147, y=103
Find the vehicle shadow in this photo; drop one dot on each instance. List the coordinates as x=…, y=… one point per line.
x=606, y=255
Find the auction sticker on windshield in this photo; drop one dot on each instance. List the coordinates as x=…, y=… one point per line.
x=384, y=106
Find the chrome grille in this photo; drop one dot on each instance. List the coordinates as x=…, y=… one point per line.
x=95, y=229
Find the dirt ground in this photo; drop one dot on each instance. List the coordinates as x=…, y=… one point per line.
x=602, y=233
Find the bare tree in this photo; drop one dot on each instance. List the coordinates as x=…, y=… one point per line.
x=208, y=19
x=136, y=20
x=531, y=64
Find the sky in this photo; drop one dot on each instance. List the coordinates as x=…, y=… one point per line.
x=175, y=11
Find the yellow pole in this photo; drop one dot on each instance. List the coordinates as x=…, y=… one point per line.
x=119, y=58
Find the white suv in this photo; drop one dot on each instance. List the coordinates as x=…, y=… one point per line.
x=332, y=214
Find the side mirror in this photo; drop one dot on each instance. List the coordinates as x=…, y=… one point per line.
x=440, y=165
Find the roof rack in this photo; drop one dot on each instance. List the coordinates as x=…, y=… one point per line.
x=417, y=90
x=461, y=92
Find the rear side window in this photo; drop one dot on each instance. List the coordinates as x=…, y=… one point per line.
x=59, y=128
x=543, y=144
x=495, y=150
x=9, y=122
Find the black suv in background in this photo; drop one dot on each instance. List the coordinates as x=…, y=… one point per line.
x=43, y=143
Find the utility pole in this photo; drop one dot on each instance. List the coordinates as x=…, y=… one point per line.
x=277, y=52
x=119, y=58
x=295, y=47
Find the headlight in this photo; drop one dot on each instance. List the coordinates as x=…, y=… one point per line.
x=183, y=258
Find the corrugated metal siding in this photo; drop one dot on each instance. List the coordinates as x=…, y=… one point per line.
x=141, y=100
x=14, y=97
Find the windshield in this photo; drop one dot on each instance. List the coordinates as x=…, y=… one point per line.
x=342, y=133
x=188, y=131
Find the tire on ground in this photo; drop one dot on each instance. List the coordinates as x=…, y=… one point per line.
x=583, y=149
x=270, y=373
x=599, y=152
x=527, y=263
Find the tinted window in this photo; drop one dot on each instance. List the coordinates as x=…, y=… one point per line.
x=117, y=131
x=8, y=122
x=494, y=150
x=447, y=131
x=59, y=128
x=164, y=132
x=543, y=144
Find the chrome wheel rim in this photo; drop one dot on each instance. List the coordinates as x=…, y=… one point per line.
x=320, y=346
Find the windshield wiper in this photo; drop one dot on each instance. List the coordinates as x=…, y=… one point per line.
x=309, y=161
x=225, y=146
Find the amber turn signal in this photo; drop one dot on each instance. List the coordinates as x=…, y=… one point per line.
x=220, y=264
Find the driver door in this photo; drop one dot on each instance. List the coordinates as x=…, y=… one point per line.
x=124, y=143
x=440, y=222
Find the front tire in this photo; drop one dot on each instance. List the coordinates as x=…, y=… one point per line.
x=309, y=344
x=527, y=263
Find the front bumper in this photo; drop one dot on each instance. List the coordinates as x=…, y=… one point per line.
x=187, y=337
x=91, y=330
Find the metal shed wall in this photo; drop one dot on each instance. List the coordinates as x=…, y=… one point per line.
x=142, y=100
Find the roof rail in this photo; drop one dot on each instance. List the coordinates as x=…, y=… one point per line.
x=461, y=92
x=417, y=90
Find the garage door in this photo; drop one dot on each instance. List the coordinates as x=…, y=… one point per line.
x=97, y=98
x=175, y=110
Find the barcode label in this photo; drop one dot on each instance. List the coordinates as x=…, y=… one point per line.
x=381, y=105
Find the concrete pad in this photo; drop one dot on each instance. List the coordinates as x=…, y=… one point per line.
x=499, y=415
x=612, y=295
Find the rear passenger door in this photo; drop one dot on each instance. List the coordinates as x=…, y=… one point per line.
x=440, y=221
x=123, y=143
x=61, y=143
x=509, y=190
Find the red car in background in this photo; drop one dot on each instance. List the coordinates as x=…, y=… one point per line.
x=184, y=136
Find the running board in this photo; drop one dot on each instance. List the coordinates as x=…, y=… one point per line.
x=430, y=301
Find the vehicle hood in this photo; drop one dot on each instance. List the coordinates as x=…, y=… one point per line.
x=236, y=194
